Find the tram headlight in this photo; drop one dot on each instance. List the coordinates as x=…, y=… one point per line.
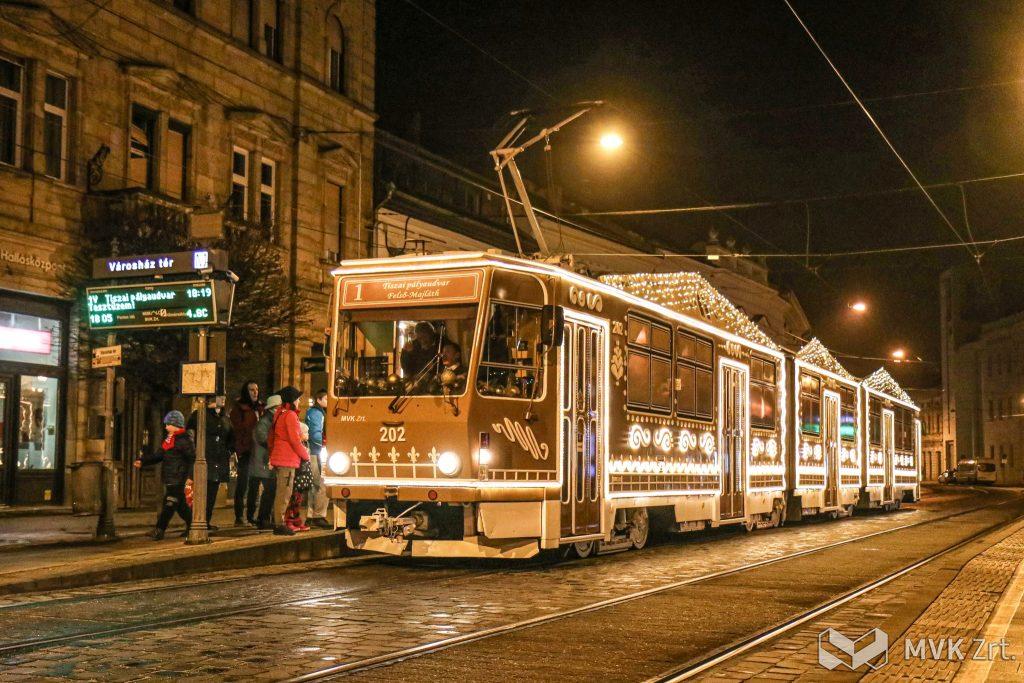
x=339, y=463
x=449, y=463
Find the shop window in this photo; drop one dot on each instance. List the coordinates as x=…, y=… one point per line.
x=11, y=105
x=29, y=339
x=335, y=55
x=37, y=423
x=511, y=364
x=648, y=365
x=810, y=404
x=694, y=376
x=55, y=126
x=142, y=147
x=177, y=159
x=238, y=204
x=762, y=393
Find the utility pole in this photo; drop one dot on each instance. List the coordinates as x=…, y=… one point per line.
x=199, y=532
x=105, y=524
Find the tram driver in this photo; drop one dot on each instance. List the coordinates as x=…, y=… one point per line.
x=420, y=351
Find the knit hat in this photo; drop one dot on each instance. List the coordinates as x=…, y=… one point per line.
x=289, y=394
x=273, y=401
x=175, y=418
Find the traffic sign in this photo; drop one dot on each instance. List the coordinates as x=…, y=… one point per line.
x=106, y=356
x=161, y=304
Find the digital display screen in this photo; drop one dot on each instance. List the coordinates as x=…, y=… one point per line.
x=171, y=304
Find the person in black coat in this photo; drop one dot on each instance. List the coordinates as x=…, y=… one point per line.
x=177, y=452
x=219, y=441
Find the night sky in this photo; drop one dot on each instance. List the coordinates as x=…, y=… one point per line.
x=726, y=102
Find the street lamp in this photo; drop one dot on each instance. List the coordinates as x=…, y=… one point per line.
x=899, y=355
x=858, y=306
x=611, y=141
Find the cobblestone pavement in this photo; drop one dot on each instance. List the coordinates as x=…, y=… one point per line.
x=301, y=621
x=952, y=609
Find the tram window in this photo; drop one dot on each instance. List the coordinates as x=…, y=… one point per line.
x=649, y=365
x=847, y=414
x=415, y=351
x=810, y=404
x=875, y=423
x=762, y=393
x=694, y=393
x=511, y=365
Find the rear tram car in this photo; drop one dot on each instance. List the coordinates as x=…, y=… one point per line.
x=891, y=442
x=491, y=406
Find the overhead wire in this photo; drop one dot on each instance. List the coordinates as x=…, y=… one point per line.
x=878, y=128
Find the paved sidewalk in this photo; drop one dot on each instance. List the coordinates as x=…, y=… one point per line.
x=53, y=552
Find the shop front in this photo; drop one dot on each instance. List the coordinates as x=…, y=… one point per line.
x=33, y=393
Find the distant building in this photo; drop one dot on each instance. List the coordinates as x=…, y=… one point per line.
x=936, y=439
x=428, y=204
x=983, y=367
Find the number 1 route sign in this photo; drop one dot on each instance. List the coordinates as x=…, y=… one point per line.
x=154, y=305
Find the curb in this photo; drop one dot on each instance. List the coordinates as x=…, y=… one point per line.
x=324, y=546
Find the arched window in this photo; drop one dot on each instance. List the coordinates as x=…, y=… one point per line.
x=335, y=54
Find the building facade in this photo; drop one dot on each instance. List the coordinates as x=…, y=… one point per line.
x=936, y=439
x=246, y=115
x=427, y=204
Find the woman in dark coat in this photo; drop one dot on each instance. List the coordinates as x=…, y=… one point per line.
x=177, y=452
x=244, y=416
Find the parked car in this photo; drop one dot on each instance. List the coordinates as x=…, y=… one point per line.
x=948, y=477
x=975, y=472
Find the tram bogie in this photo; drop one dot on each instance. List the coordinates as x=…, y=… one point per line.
x=489, y=406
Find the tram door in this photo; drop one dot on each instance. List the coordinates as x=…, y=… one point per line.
x=888, y=451
x=830, y=437
x=733, y=403
x=582, y=408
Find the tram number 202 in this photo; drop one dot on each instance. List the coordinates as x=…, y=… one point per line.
x=392, y=434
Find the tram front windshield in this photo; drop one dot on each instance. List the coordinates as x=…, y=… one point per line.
x=421, y=351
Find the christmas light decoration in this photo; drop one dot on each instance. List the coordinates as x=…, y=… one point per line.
x=692, y=295
x=880, y=380
x=815, y=353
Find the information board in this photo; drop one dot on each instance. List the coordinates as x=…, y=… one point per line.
x=165, y=304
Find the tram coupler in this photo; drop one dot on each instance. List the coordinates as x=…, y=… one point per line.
x=390, y=527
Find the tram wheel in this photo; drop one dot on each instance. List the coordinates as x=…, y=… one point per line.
x=639, y=528
x=582, y=549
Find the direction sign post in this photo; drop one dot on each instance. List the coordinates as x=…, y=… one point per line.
x=105, y=524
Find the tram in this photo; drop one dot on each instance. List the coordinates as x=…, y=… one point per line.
x=491, y=406
x=892, y=443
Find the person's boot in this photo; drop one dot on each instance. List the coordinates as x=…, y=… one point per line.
x=283, y=531
x=156, y=534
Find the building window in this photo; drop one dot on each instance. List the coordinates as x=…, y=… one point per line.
x=270, y=17
x=11, y=102
x=177, y=159
x=334, y=221
x=183, y=6
x=55, y=126
x=335, y=55
x=648, y=365
x=238, y=203
x=241, y=21
x=268, y=183
x=810, y=404
x=143, y=148
x=762, y=393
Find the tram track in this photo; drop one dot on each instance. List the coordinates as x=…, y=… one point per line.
x=391, y=658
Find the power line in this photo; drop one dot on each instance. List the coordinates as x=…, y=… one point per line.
x=710, y=208
x=878, y=128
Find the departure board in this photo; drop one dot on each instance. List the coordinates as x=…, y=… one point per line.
x=165, y=304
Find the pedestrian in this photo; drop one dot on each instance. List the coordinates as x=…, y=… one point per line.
x=177, y=452
x=260, y=473
x=286, y=454
x=295, y=515
x=218, y=451
x=244, y=416
x=318, y=500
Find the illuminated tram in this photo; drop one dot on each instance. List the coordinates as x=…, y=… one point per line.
x=892, y=442
x=491, y=406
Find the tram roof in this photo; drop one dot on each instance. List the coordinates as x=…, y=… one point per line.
x=881, y=381
x=719, y=315
x=690, y=294
x=817, y=354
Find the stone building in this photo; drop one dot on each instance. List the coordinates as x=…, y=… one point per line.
x=248, y=115
x=428, y=204
x=936, y=439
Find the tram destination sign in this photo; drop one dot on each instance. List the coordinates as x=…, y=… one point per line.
x=149, y=265
x=161, y=304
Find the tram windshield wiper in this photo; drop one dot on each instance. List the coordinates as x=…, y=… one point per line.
x=400, y=400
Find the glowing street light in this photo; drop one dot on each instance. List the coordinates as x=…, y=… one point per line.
x=858, y=307
x=611, y=141
x=899, y=355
